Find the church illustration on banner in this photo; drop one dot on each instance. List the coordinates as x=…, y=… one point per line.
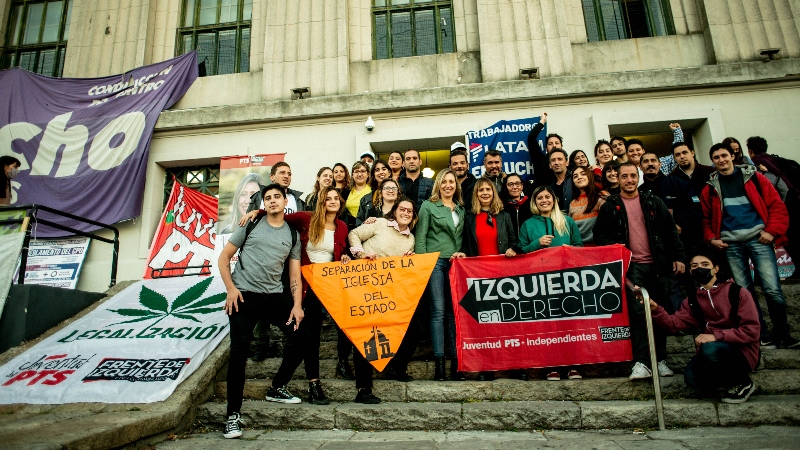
x=378, y=340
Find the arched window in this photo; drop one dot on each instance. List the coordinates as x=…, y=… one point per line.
x=626, y=19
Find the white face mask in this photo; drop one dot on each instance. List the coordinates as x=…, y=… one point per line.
x=13, y=174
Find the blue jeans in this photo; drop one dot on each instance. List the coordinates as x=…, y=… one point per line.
x=441, y=302
x=717, y=364
x=766, y=268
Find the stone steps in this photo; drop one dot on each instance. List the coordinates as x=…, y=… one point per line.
x=513, y=415
x=677, y=358
x=769, y=382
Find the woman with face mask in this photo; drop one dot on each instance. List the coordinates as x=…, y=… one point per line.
x=10, y=171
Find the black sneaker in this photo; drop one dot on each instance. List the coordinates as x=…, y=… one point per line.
x=789, y=342
x=366, y=397
x=768, y=344
x=232, y=429
x=281, y=395
x=739, y=394
x=315, y=394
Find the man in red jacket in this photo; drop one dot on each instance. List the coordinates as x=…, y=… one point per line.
x=744, y=217
x=727, y=348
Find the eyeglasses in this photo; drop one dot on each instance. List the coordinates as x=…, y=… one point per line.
x=514, y=184
x=406, y=210
x=360, y=171
x=389, y=189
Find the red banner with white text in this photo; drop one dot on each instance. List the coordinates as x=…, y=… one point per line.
x=185, y=236
x=555, y=307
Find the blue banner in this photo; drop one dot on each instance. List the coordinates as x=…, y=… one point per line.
x=509, y=137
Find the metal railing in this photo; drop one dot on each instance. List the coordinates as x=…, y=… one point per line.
x=32, y=217
x=205, y=269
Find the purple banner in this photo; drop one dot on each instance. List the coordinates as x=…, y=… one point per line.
x=83, y=142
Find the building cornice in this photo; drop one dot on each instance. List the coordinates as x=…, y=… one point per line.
x=505, y=92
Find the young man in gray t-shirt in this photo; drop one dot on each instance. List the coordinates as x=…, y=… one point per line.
x=256, y=292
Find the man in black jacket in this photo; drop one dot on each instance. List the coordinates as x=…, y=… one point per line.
x=416, y=187
x=641, y=221
x=542, y=175
x=689, y=169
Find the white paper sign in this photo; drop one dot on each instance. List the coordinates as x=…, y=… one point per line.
x=56, y=262
x=135, y=348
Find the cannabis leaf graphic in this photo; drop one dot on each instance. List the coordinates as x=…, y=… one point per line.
x=185, y=306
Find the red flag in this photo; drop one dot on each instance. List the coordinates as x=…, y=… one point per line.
x=554, y=307
x=185, y=236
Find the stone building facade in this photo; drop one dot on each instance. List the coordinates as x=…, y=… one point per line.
x=427, y=71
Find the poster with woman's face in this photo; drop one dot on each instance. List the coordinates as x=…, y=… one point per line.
x=239, y=178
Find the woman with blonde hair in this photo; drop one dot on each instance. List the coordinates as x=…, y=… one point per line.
x=549, y=227
x=359, y=188
x=441, y=222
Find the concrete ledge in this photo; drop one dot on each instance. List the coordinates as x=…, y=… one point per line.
x=710, y=76
x=764, y=410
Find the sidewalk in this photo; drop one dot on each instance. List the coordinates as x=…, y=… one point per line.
x=766, y=437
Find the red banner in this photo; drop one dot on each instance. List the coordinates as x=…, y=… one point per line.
x=560, y=306
x=185, y=236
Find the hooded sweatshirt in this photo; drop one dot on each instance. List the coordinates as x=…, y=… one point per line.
x=716, y=310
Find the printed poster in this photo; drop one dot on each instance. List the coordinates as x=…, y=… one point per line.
x=55, y=262
x=185, y=236
x=559, y=306
x=137, y=347
x=509, y=137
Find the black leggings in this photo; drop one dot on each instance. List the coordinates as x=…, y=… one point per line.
x=312, y=322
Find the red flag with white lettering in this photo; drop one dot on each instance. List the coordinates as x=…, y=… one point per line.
x=185, y=238
x=559, y=306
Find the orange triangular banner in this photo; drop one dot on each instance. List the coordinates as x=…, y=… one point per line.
x=372, y=301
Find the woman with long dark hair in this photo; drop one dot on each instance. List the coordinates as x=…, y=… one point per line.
x=610, y=178
x=588, y=199
x=396, y=164
x=324, y=179
x=739, y=157
x=577, y=158
x=341, y=179
x=380, y=171
x=324, y=239
x=10, y=167
x=602, y=155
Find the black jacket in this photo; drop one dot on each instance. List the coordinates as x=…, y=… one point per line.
x=257, y=198
x=466, y=190
x=665, y=244
x=679, y=197
x=506, y=236
x=423, y=192
x=518, y=213
x=542, y=175
x=699, y=177
x=367, y=209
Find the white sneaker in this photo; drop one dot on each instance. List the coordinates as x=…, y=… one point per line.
x=663, y=370
x=640, y=372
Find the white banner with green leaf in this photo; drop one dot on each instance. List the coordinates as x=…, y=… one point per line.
x=136, y=347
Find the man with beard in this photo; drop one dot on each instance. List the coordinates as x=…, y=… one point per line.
x=542, y=175
x=562, y=178
x=414, y=185
x=641, y=221
x=689, y=169
x=459, y=165
x=620, y=148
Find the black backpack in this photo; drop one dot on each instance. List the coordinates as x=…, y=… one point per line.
x=788, y=167
x=733, y=298
x=285, y=274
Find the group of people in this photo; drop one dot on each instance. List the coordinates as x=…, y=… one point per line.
x=663, y=209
